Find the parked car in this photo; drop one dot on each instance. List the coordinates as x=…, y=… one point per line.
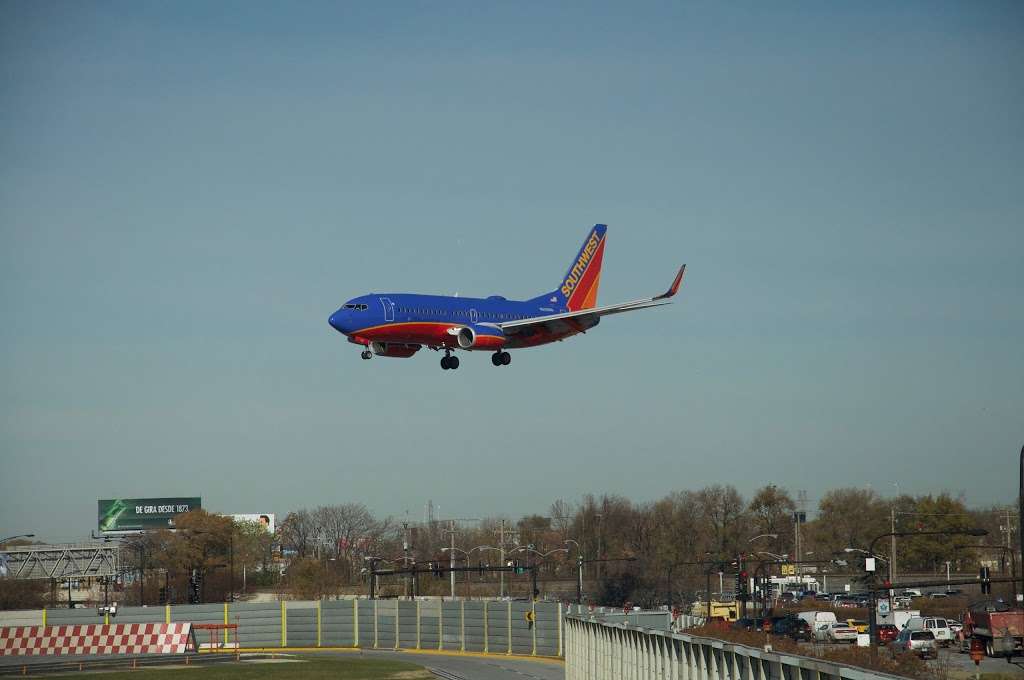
x=788, y=597
x=912, y=592
x=954, y=626
x=936, y=596
x=835, y=632
x=748, y=623
x=887, y=633
x=795, y=629
x=861, y=626
x=920, y=642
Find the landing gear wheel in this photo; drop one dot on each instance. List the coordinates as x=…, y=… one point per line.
x=496, y=358
x=444, y=363
x=366, y=354
x=506, y=358
x=453, y=363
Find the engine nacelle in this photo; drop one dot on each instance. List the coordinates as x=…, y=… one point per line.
x=480, y=337
x=400, y=350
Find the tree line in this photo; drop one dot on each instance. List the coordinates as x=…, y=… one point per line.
x=665, y=539
x=650, y=552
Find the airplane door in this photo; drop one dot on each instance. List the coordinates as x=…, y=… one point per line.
x=389, y=309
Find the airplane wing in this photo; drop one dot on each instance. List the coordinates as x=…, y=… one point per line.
x=589, y=316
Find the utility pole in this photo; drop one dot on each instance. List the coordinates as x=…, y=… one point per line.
x=451, y=555
x=501, y=547
x=405, y=556
x=892, y=552
x=579, y=579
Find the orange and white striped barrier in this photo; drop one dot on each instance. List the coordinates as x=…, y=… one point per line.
x=116, y=638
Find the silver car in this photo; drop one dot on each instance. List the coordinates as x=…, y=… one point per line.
x=920, y=642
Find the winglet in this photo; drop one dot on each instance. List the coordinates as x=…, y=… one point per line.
x=675, y=285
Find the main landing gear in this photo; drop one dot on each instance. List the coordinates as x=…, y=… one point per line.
x=501, y=358
x=449, y=361
x=367, y=354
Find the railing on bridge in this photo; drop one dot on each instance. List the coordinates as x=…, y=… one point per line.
x=597, y=650
x=60, y=561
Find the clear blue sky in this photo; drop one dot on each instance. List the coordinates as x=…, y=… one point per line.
x=189, y=189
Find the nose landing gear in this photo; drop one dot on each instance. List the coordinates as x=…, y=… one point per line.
x=501, y=358
x=367, y=354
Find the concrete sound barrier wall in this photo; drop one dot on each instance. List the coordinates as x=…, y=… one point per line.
x=488, y=626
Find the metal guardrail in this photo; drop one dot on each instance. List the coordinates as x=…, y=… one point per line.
x=595, y=650
x=22, y=666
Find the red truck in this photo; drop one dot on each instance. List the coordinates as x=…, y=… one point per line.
x=992, y=622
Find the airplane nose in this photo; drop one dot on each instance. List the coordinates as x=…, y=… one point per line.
x=335, y=322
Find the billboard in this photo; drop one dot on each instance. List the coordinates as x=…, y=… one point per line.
x=266, y=519
x=143, y=514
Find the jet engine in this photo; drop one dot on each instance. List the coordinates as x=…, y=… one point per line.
x=393, y=349
x=480, y=337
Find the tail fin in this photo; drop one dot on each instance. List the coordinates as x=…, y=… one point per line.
x=578, y=289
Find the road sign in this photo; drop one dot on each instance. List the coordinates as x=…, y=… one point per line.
x=884, y=607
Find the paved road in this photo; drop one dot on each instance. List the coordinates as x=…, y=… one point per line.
x=954, y=660
x=481, y=667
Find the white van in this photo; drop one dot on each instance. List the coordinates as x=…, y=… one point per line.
x=814, y=619
x=936, y=624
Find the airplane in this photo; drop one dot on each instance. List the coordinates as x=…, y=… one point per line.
x=400, y=324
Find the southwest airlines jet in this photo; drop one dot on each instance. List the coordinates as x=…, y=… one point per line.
x=400, y=324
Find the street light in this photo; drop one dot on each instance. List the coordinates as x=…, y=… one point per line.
x=782, y=558
x=579, y=570
x=751, y=540
x=865, y=552
x=11, y=538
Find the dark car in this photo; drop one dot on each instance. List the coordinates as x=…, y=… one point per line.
x=793, y=628
x=748, y=624
x=887, y=633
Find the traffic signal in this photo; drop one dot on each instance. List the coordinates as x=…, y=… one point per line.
x=986, y=582
x=195, y=588
x=437, y=569
x=738, y=583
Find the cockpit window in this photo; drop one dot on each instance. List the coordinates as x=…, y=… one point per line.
x=361, y=308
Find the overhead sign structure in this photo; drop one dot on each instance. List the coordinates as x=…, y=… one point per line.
x=143, y=514
x=266, y=520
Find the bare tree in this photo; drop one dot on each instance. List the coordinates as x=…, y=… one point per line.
x=724, y=518
x=772, y=511
x=298, y=531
